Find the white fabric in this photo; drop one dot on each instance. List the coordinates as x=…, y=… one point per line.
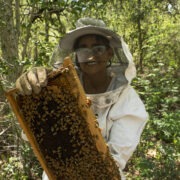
x=121, y=123
x=86, y=26
x=23, y=135
x=44, y=176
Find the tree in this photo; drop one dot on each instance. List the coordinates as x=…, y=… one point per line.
x=9, y=43
x=29, y=31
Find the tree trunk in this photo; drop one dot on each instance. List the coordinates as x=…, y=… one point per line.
x=9, y=46
x=140, y=40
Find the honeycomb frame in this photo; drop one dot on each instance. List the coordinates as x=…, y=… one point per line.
x=62, y=129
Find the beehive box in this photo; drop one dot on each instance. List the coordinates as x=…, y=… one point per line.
x=63, y=130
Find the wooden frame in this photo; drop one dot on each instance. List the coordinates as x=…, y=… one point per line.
x=61, y=81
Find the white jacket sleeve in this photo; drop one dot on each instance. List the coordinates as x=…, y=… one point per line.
x=128, y=118
x=23, y=135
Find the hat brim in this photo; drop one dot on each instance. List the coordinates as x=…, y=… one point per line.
x=67, y=42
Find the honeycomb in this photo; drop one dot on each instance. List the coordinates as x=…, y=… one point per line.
x=62, y=129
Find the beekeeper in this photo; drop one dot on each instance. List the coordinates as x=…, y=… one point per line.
x=106, y=69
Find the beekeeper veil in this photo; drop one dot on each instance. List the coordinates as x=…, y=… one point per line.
x=122, y=63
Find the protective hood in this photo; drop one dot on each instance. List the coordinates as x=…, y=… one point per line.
x=122, y=69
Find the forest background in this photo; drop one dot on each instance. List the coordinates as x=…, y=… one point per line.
x=29, y=31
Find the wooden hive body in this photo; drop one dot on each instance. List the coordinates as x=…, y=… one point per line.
x=63, y=130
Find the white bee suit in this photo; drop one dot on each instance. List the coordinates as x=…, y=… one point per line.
x=120, y=112
x=121, y=123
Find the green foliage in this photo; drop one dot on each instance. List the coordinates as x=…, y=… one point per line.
x=151, y=28
x=17, y=160
x=157, y=155
x=13, y=168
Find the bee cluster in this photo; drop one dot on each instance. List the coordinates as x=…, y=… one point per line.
x=63, y=135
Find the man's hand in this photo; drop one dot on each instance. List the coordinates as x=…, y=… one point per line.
x=32, y=81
